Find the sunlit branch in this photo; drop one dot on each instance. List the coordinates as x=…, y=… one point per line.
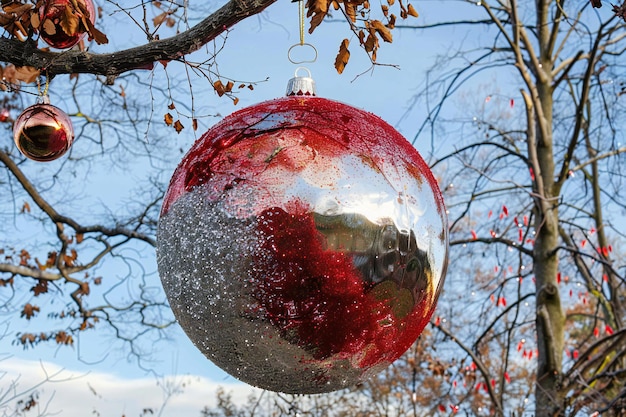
x=58, y=218
x=141, y=57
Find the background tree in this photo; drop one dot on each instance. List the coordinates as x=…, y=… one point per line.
x=532, y=319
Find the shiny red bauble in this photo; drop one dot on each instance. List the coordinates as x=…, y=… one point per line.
x=52, y=15
x=302, y=245
x=43, y=132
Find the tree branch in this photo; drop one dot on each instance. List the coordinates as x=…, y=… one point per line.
x=141, y=57
x=58, y=218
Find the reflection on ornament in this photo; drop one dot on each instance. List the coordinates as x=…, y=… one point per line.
x=43, y=132
x=302, y=244
x=58, y=16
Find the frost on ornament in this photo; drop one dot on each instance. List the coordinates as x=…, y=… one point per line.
x=302, y=245
x=43, y=132
x=62, y=25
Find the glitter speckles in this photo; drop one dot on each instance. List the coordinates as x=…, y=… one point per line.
x=293, y=260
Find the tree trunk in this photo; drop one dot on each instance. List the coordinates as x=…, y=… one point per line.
x=550, y=319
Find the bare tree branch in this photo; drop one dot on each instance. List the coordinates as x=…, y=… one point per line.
x=141, y=57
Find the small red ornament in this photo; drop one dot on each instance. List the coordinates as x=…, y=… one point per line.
x=56, y=16
x=4, y=115
x=302, y=244
x=43, y=132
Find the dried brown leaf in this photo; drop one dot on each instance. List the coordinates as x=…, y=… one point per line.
x=171, y=106
x=194, y=124
x=316, y=10
x=219, y=88
x=27, y=338
x=26, y=74
x=411, y=11
x=169, y=119
x=229, y=86
x=350, y=8
x=48, y=27
x=342, y=56
x=178, y=126
x=371, y=43
x=94, y=33
x=70, y=23
x=29, y=311
x=63, y=338
x=17, y=8
x=35, y=21
x=157, y=20
x=361, y=37
x=383, y=31
x=40, y=288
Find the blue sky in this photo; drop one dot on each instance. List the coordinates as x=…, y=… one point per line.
x=256, y=49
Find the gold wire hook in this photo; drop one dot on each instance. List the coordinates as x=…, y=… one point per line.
x=302, y=43
x=43, y=97
x=301, y=16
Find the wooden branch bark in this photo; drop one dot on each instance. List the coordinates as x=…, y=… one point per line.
x=140, y=57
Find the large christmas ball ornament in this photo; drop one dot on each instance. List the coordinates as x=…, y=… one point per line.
x=58, y=16
x=302, y=244
x=43, y=132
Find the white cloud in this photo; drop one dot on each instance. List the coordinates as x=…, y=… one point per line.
x=70, y=393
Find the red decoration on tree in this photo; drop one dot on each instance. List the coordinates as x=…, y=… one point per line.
x=302, y=244
x=4, y=114
x=62, y=25
x=43, y=132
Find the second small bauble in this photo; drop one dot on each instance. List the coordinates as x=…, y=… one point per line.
x=43, y=132
x=302, y=245
x=54, y=23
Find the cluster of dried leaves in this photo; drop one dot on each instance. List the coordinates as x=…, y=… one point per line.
x=11, y=76
x=358, y=12
x=22, y=19
x=55, y=261
x=165, y=17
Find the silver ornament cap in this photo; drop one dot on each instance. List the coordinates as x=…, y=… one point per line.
x=301, y=86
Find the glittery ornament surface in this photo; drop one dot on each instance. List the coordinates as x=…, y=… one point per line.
x=53, y=15
x=302, y=245
x=43, y=132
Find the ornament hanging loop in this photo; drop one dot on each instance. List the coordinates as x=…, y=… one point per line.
x=43, y=97
x=301, y=86
x=297, y=61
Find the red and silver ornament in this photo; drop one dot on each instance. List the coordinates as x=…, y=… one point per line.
x=302, y=243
